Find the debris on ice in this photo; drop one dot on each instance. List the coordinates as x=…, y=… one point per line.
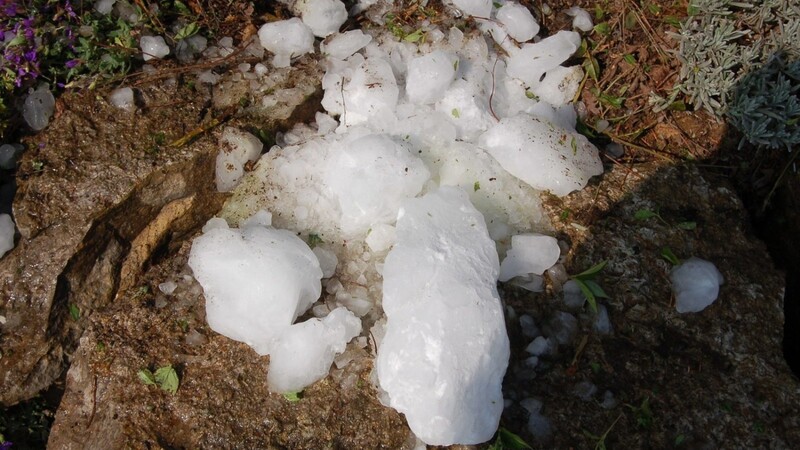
x=237, y=147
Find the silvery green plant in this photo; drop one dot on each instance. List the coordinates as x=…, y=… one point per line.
x=719, y=44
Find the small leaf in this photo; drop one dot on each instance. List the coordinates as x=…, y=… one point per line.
x=187, y=31
x=592, y=271
x=630, y=59
x=667, y=254
x=531, y=95
x=181, y=7
x=18, y=39
x=574, y=144
x=146, y=377
x=596, y=289
x=455, y=65
x=602, y=29
x=293, y=396
x=314, y=240
x=476, y=186
x=455, y=113
x=415, y=36
x=672, y=21
x=167, y=379
x=677, y=105
x=587, y=293
x=510, y=440
x=644, y=214
x=74, y=312
x=689, y=225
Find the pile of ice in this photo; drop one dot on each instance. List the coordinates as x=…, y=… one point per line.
x=257, y=280
x=426, y=165
x=6, y=234
x=695, y=284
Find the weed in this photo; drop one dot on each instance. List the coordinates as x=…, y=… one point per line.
x=507, y=440
x=600, y=441
x=164, y=377
x=590, y=289
x=293, y=397
x=643, y=414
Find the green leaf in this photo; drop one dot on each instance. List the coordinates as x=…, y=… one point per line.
x=415, y=36
x=187, y=31
x=455, y=65
x=496, y=4
x=74, y=312
x=455, y=113
x=630, y=59
x=531, y=95
x=314, y=240
x=510, y=440
x=146, y=377
x=654, y=9
x=167, y=379
x=592, y=271
x=587, y=292
x=667, y=254
x=611, y=100
x=476, y=186
x=672, y=21
x=598, y=12
x=293, y=396
x=644, y=214
x=677, y=105
x=688, y=225
x=18, y=39
x=692, y=10
x=574, y=144
x=595, y=288
x=181, y=7
x=602, y=29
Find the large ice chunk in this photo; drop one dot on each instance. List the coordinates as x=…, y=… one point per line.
x=257, y=280
x=343, y=45
x=445, y=351
x=430, y=75
x=370, y=177
x=286, y=39
x=371, y=90
x=530, y=254
x=304, y=352
x=236, y=148
x=518, y=21
x=323, y=17
x=533, y=60
x=477, y=8
x=695, y=284
x=543, y=154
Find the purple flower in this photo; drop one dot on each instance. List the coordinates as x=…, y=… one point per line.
x=6, y=445
x=72, y=63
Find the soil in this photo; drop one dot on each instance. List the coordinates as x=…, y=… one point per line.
x=699, y=381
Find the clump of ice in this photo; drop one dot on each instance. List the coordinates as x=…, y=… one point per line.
x=342, y=46
x=430, y=75
x=256, y=279
x=581, y=19
x=6, y=234
x=533, y=60
x=530, y=254
x=573, y=295
x=323, y=17
x=304, y=352
x=538, y=425
x=104, y=6
x=153, y=47
x=445, y=351
x=602, y=323
x=8, y=155
x=542, y=153
x=370, y=177
x=186, y=49
x=371, y=91
x=122, y=98
x=477, y=8
x=39, y=107
x=695, y=284
x=236, y=149
x=286, y=39
x=518, y=21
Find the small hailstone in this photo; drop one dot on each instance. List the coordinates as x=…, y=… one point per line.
x=153, y=47
x=538, y=346
x=8, y=156
x=573, y=295
x=39, y=107
x=477, y=8
x=530, y=254
x=528, y=325
x=208, y=77
x=584, y=390
x=6, y=234
x=122, y=98
x=323, y=17
x=562, y=326
x=580, y=19
x=167, y=287
x=602, y=324
x=518, y=21
x=286, y=39
x=327, y=261
x=104, y=7
x=608, y=400
x=695, y=284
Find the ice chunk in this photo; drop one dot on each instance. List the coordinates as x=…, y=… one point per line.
x=371, y=91
x=370, y=177
x=327, y=261
x=573, y=295
x=580, y=18
x=530, y=253
x=104, y=6
x=257, y=280
x=343, y=45
x=562, y=327
x=430, y=75
x=602, y=323
x=445, y=351
x=286, y=39
x=380, y=237
x=236, y=148
x=518, y=21
x=533, y=60
x=6, y=234
x=477, y=8
x=8, y=155
x=695, y=284
x=584, y=390
x=543, y=154
x=122, y=98
x=168, y=287
x=323, y=17
x=153, y=47
x=304, y=352
x=540, y=346
x=39, y=107
x=559, y=86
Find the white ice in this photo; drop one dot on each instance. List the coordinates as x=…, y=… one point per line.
x=236, y=149
x=6, y=234
x=286, y=39
x=533, y=60
x=518, y=21
x=323, y=17
x=529, y=254
x=342, y=46
x=430, y=75
x=39, y=107
x=695, y=284
x=122, y=98
x=477, y=8
x=445, y=351
x=153, y=47
x=581, y=19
